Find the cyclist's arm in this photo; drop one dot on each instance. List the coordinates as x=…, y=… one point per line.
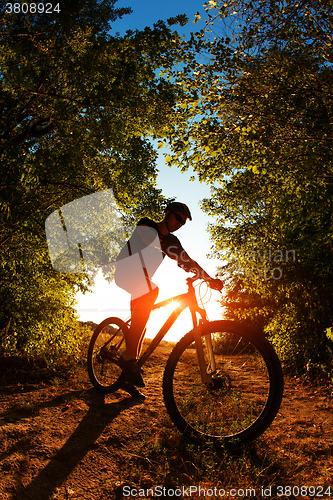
x=191, y=266
x=201, y=273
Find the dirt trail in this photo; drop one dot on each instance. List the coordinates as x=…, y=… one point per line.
x=65, y=441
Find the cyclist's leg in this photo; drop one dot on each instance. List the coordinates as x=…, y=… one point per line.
x=144, y=314
x=140, y=311
x=143, y=296
x=141, y=308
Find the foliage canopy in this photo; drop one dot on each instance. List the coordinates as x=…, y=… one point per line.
x=257, y=125
x=78, y=105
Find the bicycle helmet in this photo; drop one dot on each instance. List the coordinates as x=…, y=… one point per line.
x=176, y=206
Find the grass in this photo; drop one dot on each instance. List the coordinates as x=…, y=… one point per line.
x=162, y=457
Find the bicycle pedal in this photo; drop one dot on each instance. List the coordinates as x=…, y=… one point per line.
x=133, y=391
x=131, y=372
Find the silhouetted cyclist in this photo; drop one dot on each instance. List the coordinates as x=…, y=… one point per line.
x=137, y=263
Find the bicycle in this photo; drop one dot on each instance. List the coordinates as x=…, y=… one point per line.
x=222, y=382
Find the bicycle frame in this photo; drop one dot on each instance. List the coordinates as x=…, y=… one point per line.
x=183, y=301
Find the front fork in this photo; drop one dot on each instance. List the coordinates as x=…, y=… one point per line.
x=207, y=369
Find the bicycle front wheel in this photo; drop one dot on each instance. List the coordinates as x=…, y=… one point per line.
x=106, y=346
x=246, y=390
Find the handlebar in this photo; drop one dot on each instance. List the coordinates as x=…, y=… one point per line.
x=214, y=283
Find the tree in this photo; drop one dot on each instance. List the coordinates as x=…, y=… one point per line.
x=37, y=304
x=72, y=95
x=257, y=123
x=77, y=108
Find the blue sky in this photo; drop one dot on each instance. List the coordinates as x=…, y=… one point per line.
x=108, y=300
x=147, y=12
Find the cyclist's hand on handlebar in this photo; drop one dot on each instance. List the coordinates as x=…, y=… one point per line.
x=215, y=283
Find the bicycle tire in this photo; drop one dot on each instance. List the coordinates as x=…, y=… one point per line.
x=107, y=344
x=248, y=386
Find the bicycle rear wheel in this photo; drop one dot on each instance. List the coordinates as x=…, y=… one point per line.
x=106, y=346
x=246, y=392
